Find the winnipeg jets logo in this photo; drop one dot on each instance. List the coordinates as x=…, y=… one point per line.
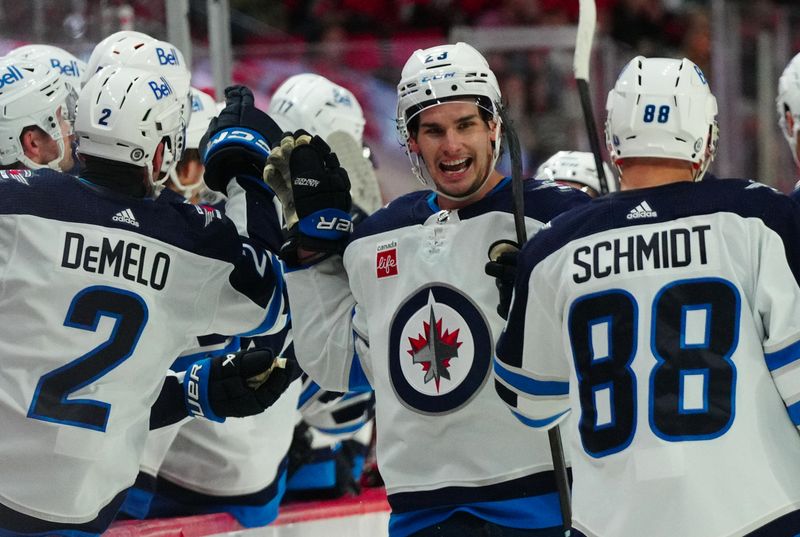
x=440, y=350
x=434, y=350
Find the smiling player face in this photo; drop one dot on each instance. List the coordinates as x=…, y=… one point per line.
x=456, y=145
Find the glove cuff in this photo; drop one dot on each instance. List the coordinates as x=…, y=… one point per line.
x=326, y=225
x=240, y=136
x=195, y=391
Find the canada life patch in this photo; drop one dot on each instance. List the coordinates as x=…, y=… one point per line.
x=386, y=260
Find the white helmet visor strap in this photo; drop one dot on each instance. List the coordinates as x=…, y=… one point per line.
x=420, y=171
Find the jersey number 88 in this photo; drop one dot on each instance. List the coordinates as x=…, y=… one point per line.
x=693, y=332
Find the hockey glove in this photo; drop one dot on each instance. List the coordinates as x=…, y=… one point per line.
x=237, y=141
x=320, y=188
x=502, y=266
x=237, y=384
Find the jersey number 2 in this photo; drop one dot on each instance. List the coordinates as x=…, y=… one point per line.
x=50, y=399
x=693, y=333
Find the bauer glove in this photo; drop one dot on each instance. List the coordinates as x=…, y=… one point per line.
x=237, y=384
x=237, y=141
x=317, y=212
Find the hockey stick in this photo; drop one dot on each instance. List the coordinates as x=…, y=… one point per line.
x=587, y=20
x=518, y=200
x=364, y=186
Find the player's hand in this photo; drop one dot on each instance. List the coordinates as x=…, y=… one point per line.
x=277, y=176
x=502, y=266
x=321, y=200
x=237, y=384
x=237, y=141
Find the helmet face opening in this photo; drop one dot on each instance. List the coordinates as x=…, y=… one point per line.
x=439, y=75
x=31, y=95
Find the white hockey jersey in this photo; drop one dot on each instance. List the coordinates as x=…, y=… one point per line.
x=668, y=320
x=98, y=294
x=411, y=310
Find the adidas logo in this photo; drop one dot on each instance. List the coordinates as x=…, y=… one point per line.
x=643, y=210
x=126, y=217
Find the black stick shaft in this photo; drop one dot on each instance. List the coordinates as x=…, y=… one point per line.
x=554, y=435
x=591, y=132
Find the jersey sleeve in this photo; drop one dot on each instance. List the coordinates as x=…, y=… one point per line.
x=531, y=371
x=777, y=302
x=251, y=300
x=326, y=324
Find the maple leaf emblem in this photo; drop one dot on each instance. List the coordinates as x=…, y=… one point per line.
x=434, y=350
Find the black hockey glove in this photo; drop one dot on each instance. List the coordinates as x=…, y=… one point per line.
x=317, y=213
x=502, y=266
x=237, y=141
x=237, y=384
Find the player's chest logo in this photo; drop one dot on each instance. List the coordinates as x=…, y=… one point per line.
x=386, y=260
x=440, y=350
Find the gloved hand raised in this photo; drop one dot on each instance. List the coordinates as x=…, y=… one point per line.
x=502, y=266
x=237, y=141
x=237, y=384
x=315, y=192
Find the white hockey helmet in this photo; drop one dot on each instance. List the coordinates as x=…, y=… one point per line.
x=31, y=94
x=441, y=74
x=663, y=108
x=123, y=115
x=135, y=49
x=57, y=58
x=576, y=167
x=204, y=109
x=314, y=103
x=104, y=52
x=789, y=101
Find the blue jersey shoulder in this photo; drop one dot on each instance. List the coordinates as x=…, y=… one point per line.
x=58, y=196
x=407, y=210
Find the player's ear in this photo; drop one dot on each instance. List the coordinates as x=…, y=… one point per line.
x=412, y=145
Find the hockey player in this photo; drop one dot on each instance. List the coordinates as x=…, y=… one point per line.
x=99, y=294
x=186, y=177
x=667, y=319
x=788, y=104
x=403, y=305
x=36, y=107
x=576, y=169
x=239, y=467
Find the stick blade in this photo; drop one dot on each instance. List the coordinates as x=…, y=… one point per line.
x=587, y=22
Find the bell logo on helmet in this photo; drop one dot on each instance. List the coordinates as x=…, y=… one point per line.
x=167, y=58
x=68, y=69
x=11, y=75
x=160, y=90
